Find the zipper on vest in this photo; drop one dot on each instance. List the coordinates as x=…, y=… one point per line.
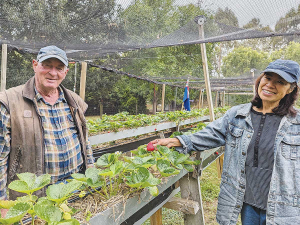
x=43, y=141
x=73, y=112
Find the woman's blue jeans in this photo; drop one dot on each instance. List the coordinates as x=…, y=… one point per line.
x=252, y=215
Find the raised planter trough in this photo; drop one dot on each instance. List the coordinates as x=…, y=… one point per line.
x=101, y=138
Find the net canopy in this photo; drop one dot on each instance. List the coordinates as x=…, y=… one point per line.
x=152, y=41
x=89, y=29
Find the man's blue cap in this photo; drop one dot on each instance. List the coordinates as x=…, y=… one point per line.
x=287, y=69
x=52, y=52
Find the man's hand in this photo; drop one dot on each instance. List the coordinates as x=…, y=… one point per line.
x=3, y=212
x=169, y=142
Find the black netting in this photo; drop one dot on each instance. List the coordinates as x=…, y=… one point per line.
x=91, y=29
x=133, y=47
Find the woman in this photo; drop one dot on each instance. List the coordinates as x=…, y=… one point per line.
x=261, y=170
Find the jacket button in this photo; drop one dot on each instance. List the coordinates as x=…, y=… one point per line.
x=243, y=153
x=21, y=166
x=242, y=171
x=248, y=135
x=238, y=206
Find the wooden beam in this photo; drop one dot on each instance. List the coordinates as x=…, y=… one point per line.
x=206, y=75
x=101, y=109
x=190, y=189
x=163, y=98
x=183, y=205
x=223, y=99
x=202, y=99
x=200, y=96
x=154, y=101
x=83, y=79
x=219, y=162
x=3, y=67
x=156, y=218
x=252, y=74
x=216, y=100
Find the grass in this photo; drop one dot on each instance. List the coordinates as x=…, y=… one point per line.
x=210, y=187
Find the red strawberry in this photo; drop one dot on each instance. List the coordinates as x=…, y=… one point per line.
x=150, y=147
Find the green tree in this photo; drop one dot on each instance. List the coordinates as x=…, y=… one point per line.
x=59, y=22
x=286, y=24
x=290, y=52
x=242, y=59
x=227, y=17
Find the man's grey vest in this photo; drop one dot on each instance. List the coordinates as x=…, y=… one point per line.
x=27, y=140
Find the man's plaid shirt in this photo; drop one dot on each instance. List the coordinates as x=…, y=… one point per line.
x=63, y=154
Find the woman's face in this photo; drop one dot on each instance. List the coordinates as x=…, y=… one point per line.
x=272, y=89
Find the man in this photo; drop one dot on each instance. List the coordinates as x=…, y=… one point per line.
x=42, y=125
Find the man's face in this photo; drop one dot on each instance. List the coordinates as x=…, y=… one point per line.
x=49, y=74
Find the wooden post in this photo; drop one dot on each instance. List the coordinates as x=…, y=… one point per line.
x=223, y=102
x=202, y=99
x=163, y=98
x=101, y=109
x=206, y=75
x=216, y=100
x=75, y=73
x=175, y=99
x=3, y=67
x=154, y=100
x=156, y=218
x=200, y=96
x=83, y=79
x=252, y=74
x=190, y=189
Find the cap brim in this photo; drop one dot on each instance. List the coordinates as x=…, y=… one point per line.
x=281, y=73
x=53, y=56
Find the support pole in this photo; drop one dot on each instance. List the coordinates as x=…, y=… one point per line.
x=83, y=79
x=101, y=109
x=75, y=73
x=200, y=22
x=190, y=189
x=252, y=74
x=216, y=100
x=3, y=66
x=156, y=218
x=202, y=99
x=154, y=101
x=223, y=99
x=200, y=96
x=175, y=99
x=163, y=98
x=205, y=71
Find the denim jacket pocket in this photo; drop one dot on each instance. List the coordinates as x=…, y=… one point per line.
x=234, y=134
x=290, y=147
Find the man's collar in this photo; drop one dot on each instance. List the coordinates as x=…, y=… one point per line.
x=61, y=97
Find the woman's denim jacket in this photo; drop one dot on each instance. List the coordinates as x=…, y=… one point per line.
x=235, y=130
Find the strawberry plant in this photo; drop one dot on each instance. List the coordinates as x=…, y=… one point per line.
x=124, y=120
x=144, y=170
x=53, y=208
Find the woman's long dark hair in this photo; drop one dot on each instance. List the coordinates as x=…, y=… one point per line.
x=285, y=106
